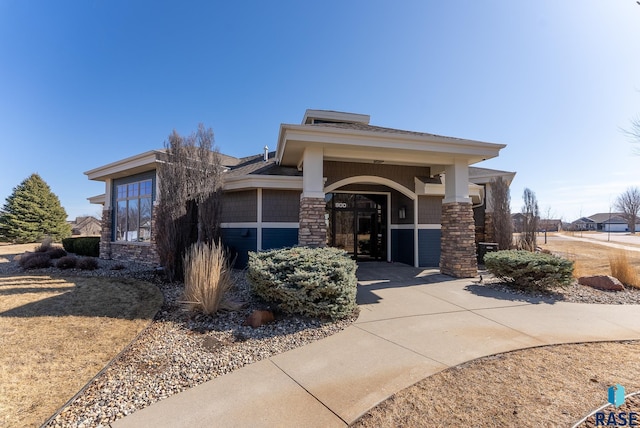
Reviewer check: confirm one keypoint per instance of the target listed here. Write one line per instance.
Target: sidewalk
(413, 324)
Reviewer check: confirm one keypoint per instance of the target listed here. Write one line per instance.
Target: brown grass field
(549, 386)
(56, 334)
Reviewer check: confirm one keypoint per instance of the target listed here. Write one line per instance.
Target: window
(133, 215)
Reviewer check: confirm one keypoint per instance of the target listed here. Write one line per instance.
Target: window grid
(133, 216)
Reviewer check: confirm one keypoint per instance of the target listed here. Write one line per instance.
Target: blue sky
(85, 83)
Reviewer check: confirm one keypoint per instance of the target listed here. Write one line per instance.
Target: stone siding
(313, 229)
(489, 231)
(141, 252)
(458, 247)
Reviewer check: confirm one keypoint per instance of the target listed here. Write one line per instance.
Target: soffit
(372, 146)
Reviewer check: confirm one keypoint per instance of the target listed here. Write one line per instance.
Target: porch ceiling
(375, 147)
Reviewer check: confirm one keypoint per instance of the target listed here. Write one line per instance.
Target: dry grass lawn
(549, 386)
(57, 333)
(590, 258)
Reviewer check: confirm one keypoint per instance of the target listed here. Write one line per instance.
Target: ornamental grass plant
(622, 269)
(207, 278)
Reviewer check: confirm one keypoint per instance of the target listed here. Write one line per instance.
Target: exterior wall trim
(411, 226)
(370, 179)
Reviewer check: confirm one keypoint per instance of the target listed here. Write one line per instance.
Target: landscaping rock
(602, 282)
(259, 318)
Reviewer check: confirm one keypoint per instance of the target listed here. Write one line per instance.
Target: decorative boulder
(259, 318)
(602, 282)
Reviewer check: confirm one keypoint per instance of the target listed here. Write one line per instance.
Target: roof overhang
(143, 162)
(356, 145)
(98, 199)
(487, 176)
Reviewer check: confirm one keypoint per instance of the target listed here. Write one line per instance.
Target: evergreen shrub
(67, 244)
(83, 245)
(529, 271)
(316, 282)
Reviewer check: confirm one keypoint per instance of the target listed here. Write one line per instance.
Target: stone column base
(458, 247)
(105, 235)
(313, 229)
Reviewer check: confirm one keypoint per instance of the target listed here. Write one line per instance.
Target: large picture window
(133, 217)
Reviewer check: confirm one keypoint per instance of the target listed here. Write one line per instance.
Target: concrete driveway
(413, 324)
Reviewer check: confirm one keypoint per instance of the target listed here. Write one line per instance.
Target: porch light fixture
(402, 214)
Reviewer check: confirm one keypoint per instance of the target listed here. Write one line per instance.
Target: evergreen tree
(33, 212)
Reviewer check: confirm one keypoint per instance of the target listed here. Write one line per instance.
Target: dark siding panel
(279, 238)
(239, 206)
(429, 247)
(336, 171)
(240, 241)
(399, 200)
(280, 205)
(402, 246)
(429, 209)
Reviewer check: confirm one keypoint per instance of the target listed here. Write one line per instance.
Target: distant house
(550, 225)
(605, 222)
(85, 226)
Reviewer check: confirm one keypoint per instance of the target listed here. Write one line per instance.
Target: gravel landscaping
(178, 350)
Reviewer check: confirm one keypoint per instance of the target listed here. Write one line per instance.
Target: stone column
(313, 229)
(458, 243)
(105, 235)
(458, 246)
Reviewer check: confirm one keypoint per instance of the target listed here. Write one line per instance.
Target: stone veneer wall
(105, 235)
(141, 252)
(458, 247)
(313, 229)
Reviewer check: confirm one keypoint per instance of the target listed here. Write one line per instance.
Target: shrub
(623, 270)
(35, 261)
(529, 271)
(44, 246)
(317, 282)
(207, 278)
(66, 262)
(87, 263)
(83, 246)
(56, 252)
(67, 244)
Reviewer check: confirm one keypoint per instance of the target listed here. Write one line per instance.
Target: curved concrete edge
(334, 381)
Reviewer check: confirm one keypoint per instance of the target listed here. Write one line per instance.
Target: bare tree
(628, 204)
(531, 216)
(190, 181)
(502, 223)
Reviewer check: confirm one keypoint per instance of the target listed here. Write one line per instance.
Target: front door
(357, 224)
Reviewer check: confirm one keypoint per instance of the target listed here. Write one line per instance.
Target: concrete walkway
(413, 324)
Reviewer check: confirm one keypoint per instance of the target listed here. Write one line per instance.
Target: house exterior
(379, 193)
(85, 226)
(605, 222)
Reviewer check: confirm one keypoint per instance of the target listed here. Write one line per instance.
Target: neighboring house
(550, 225)
(379, 193)
(605, 222)
(85, 226)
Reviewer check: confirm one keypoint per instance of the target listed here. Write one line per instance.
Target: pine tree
(33, 212)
